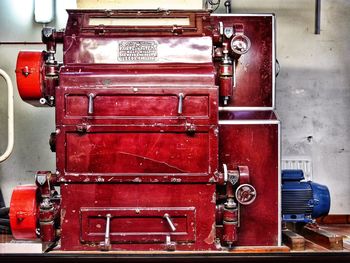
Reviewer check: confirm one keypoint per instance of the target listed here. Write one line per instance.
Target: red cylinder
(226, 81)
(24, 212)
(47, 231)
(29, 76)
(230, 232)
(230, 215)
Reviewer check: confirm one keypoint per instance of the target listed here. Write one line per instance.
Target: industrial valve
(244, 194)
(240, 44)
(226, 75)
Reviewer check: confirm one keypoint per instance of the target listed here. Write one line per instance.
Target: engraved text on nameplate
(138, 51)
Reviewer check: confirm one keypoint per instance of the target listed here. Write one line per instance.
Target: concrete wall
(313, 91)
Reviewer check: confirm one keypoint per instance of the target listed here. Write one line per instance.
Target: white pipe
(10, 119)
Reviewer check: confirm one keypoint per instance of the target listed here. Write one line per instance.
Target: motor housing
(303, 201)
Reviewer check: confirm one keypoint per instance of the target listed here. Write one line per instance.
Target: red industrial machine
(166, 136)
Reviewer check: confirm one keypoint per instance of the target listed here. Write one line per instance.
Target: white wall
(313, 91)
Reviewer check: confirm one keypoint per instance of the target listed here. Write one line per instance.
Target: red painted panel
(255, 145)
(137, 152)
(137, 105)
(155, 197)
(138, 224)
(254, 76)
(142, 105)
(97, 50)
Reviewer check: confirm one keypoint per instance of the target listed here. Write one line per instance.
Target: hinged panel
(175, 105)
(137, 153)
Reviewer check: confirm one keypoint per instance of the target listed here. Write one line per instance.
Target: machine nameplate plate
(138, 51)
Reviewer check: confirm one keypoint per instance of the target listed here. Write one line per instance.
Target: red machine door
(130, 154)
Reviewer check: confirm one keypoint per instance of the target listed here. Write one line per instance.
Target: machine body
(166, 136)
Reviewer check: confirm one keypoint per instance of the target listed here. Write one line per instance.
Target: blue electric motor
(302, 201)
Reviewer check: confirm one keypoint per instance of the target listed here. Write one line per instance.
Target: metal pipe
(21, 43)
(10, 119)
(107, 233)
(317, 17)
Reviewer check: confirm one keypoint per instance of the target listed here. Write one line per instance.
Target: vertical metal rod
(234, 73)
(179, 109)
(91, 104)
(107, 233)
(317, 17)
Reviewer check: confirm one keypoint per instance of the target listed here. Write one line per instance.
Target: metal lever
(170, 222)
(179, 109)
(91, 104)
(107, 243)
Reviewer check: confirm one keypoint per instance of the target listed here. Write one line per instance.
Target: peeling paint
(137, 180)
(212, 235)
(213, 199)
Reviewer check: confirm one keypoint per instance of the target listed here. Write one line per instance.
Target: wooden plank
(334, 219)
(293, 240)
(322, 237)
(312, 247)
